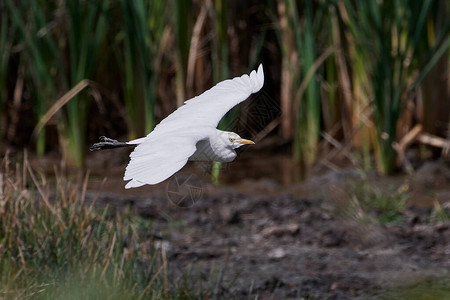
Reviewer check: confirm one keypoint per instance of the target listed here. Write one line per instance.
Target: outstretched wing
(208, 108)
(168, 147)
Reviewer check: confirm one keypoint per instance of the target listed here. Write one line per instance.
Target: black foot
(96, 147)
(106, 143)
(105, 139)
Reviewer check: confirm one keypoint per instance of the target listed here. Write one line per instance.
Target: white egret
(189, 133)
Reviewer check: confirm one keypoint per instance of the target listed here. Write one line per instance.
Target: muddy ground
(258, 238)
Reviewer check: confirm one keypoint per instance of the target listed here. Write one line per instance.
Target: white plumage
(189, 133)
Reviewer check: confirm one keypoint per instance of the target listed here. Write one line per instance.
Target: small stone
(277, 253)
(280, 230)
(230, 216)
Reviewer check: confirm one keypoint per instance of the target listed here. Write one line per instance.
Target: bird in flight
(189, 133)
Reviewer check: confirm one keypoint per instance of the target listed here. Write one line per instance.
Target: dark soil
(314, 240)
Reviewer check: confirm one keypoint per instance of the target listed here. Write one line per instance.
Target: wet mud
(311, 240)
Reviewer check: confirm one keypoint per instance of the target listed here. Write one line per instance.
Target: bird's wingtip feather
(258, 78)
(260, 74)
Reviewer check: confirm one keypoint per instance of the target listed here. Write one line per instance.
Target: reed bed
(394, 52)
(144, 25)
(301, 57)
(355, 75)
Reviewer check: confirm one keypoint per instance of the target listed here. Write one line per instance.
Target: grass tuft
(56, 244)
(379, 206)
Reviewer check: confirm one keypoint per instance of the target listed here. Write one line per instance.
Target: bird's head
(235, 141)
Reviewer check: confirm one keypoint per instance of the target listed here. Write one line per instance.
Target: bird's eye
(231, 140)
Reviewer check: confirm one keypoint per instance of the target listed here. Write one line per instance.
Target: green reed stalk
(308, 112)
(86, 31)
(219, 58)
(183, 32)
(45, 39)
(39, 54)
(386, 36)
(143, 27)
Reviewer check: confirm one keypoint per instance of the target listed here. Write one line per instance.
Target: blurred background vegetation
(361, 79)
(368, 76)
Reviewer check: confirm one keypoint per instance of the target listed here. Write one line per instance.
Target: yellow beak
(244, 141)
